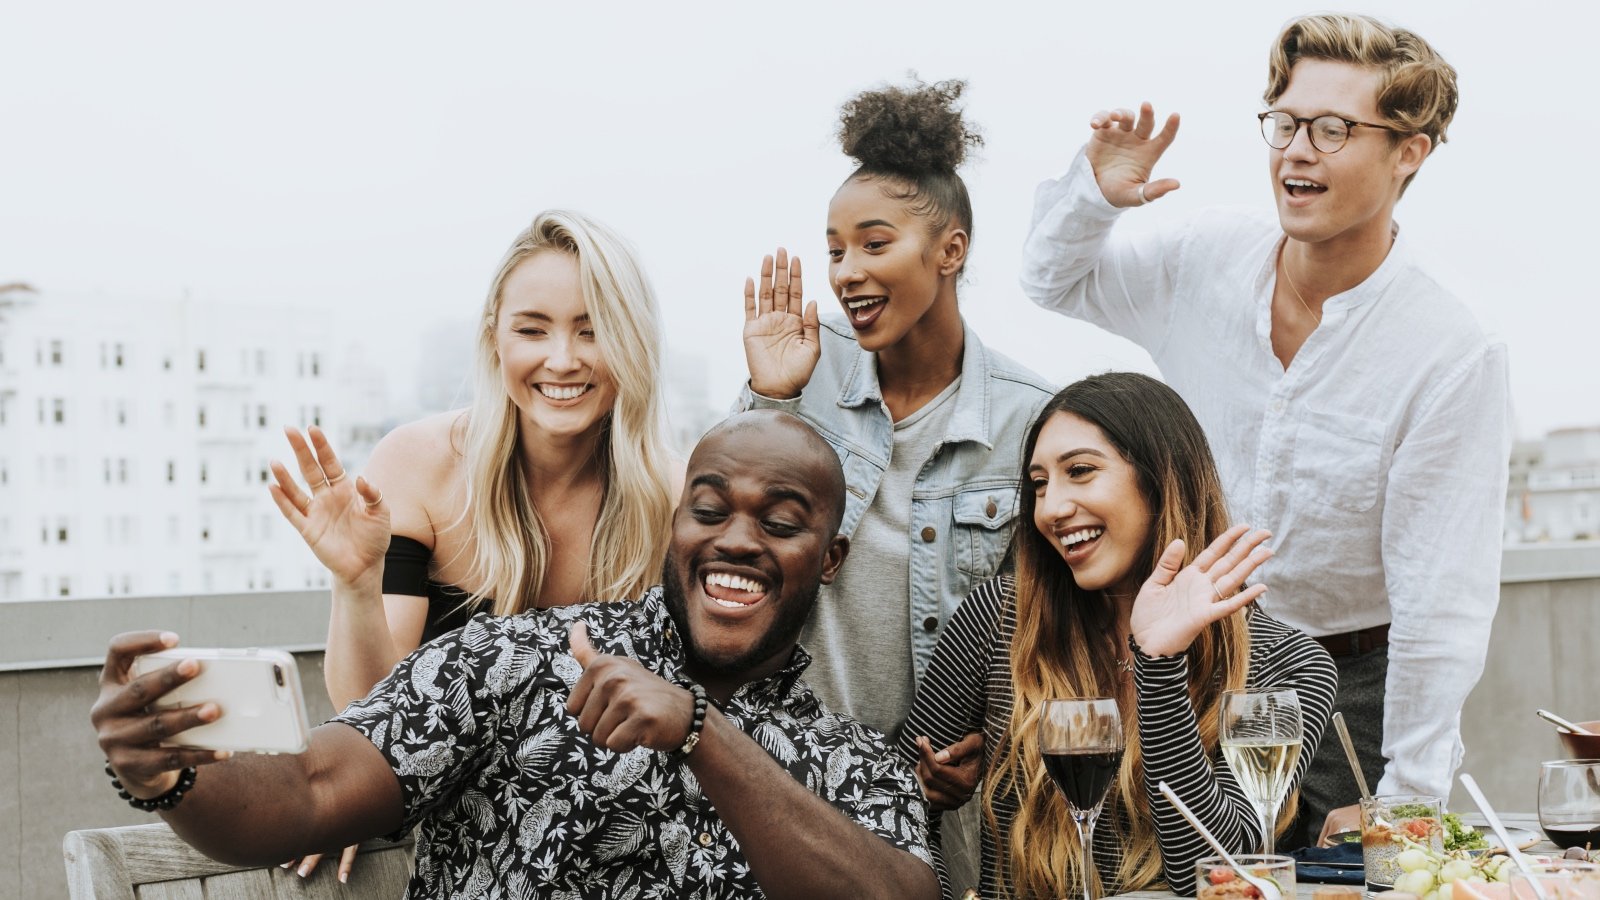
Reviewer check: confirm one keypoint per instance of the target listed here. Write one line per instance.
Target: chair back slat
(149, 862)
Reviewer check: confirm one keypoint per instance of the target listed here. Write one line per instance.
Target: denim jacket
(965, 497)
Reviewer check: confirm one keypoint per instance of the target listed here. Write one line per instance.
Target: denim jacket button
(990, 509)
(930, 624)
(928, 534)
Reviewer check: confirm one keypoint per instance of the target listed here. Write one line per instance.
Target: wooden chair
(149, 862)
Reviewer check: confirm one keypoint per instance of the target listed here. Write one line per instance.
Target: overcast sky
(375, 159)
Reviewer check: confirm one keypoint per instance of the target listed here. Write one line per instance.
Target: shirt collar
(969, 421)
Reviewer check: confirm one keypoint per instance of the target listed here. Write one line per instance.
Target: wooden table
(1303, 891)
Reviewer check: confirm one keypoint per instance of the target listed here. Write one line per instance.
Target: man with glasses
(1355, 407)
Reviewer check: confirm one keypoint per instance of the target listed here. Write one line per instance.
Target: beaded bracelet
(165, 801)
(693, 740)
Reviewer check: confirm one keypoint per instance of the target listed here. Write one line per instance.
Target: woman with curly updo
(925, 418)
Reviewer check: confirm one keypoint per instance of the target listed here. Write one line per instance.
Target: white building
(135, 436)
(1554, 493)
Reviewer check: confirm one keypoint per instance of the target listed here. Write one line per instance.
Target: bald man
(603, 750)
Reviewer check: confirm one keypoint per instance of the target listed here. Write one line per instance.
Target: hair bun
(911, 130)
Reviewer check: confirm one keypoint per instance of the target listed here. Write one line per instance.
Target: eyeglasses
(1328, 133)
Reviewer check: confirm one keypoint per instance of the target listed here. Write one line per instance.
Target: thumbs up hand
(622, 705)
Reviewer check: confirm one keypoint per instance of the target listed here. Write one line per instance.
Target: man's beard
(784, 630)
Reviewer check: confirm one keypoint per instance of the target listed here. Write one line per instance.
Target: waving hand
(1123, 151)
(781, 340)
(343, 520)
(1175, 605)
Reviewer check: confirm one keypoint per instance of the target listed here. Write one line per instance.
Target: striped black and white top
(968, 688)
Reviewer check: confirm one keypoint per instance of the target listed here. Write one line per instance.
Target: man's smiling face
(753, 539)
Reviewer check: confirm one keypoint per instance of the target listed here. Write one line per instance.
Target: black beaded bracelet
(165, 801)
(693, 740)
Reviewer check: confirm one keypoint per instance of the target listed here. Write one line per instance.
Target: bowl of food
(1582, 746)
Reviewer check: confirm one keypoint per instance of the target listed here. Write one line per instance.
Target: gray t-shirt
(859, 636)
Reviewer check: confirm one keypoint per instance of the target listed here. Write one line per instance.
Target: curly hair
(1417, 90)
(913, 139)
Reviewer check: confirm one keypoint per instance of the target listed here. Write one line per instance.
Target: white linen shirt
(1378, 459)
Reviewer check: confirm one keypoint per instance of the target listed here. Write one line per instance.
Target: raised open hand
(1175, 605)
(343, 520)
(1123, 151)
(781, 341)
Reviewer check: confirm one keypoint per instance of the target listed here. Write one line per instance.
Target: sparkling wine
(1083, 777)
(1262, 767)
(1574, 834)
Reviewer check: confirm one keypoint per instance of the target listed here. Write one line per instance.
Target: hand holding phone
(257, 691)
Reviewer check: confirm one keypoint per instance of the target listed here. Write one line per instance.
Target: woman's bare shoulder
(419, 465)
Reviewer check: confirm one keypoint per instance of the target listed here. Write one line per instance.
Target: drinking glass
(1561, 880)
(1387, 822)
(1081, 741)
(1569, 801)
(1261, 733)
(1214, 879)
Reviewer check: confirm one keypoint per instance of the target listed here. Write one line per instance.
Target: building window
(61, 531)
(166, 363)
(108, 470)
(122, 471)
(261, 416)
(127, 583)
(261, 362)
(56, 353)
(316, 365)
(5, 473)
(64, 586)
(122, 412)
(117, 355)
(172, 472)
(316, 416)
(200, 361)
(204, 472)
(58, 410)
(202, 417)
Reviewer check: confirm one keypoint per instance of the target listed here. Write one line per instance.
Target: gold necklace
(1283, 266)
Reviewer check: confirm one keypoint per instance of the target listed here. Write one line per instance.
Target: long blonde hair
(511, 547)
(1064, 645)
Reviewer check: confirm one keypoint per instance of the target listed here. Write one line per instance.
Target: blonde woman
(554, 487)
(1123, 559)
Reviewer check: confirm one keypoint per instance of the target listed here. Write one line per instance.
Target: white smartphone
(263, 709)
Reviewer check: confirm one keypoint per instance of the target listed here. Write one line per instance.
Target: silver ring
(330, 482)
(1142, 198)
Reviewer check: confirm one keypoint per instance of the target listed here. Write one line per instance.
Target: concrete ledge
(1520, 563)
(60, 634)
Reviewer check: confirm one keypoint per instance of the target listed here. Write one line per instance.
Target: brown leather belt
(1355, 643)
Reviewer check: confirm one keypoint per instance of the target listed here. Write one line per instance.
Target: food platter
(1524, 837)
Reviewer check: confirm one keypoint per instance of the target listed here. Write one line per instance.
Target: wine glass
(1569, 801)
(1081, 741)
(1261, 734)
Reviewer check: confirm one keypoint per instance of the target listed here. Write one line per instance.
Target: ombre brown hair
(1416, 90)
(1065, 640)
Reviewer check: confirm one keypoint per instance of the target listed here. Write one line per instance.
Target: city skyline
(375, 162)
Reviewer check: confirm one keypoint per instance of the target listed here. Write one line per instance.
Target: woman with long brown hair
(1129, 583)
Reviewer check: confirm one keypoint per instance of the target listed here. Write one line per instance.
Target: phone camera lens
(277, 672)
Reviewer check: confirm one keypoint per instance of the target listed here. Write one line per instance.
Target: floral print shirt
(512, 800)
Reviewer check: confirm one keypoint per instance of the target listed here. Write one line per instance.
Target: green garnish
(1462, 837)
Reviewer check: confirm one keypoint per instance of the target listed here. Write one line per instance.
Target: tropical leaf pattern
(512, 801)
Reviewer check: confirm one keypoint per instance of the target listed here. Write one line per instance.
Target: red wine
(1083, 777)
(1571, 834)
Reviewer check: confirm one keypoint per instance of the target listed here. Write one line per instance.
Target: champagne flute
(1261, 734)
(1081, 742)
